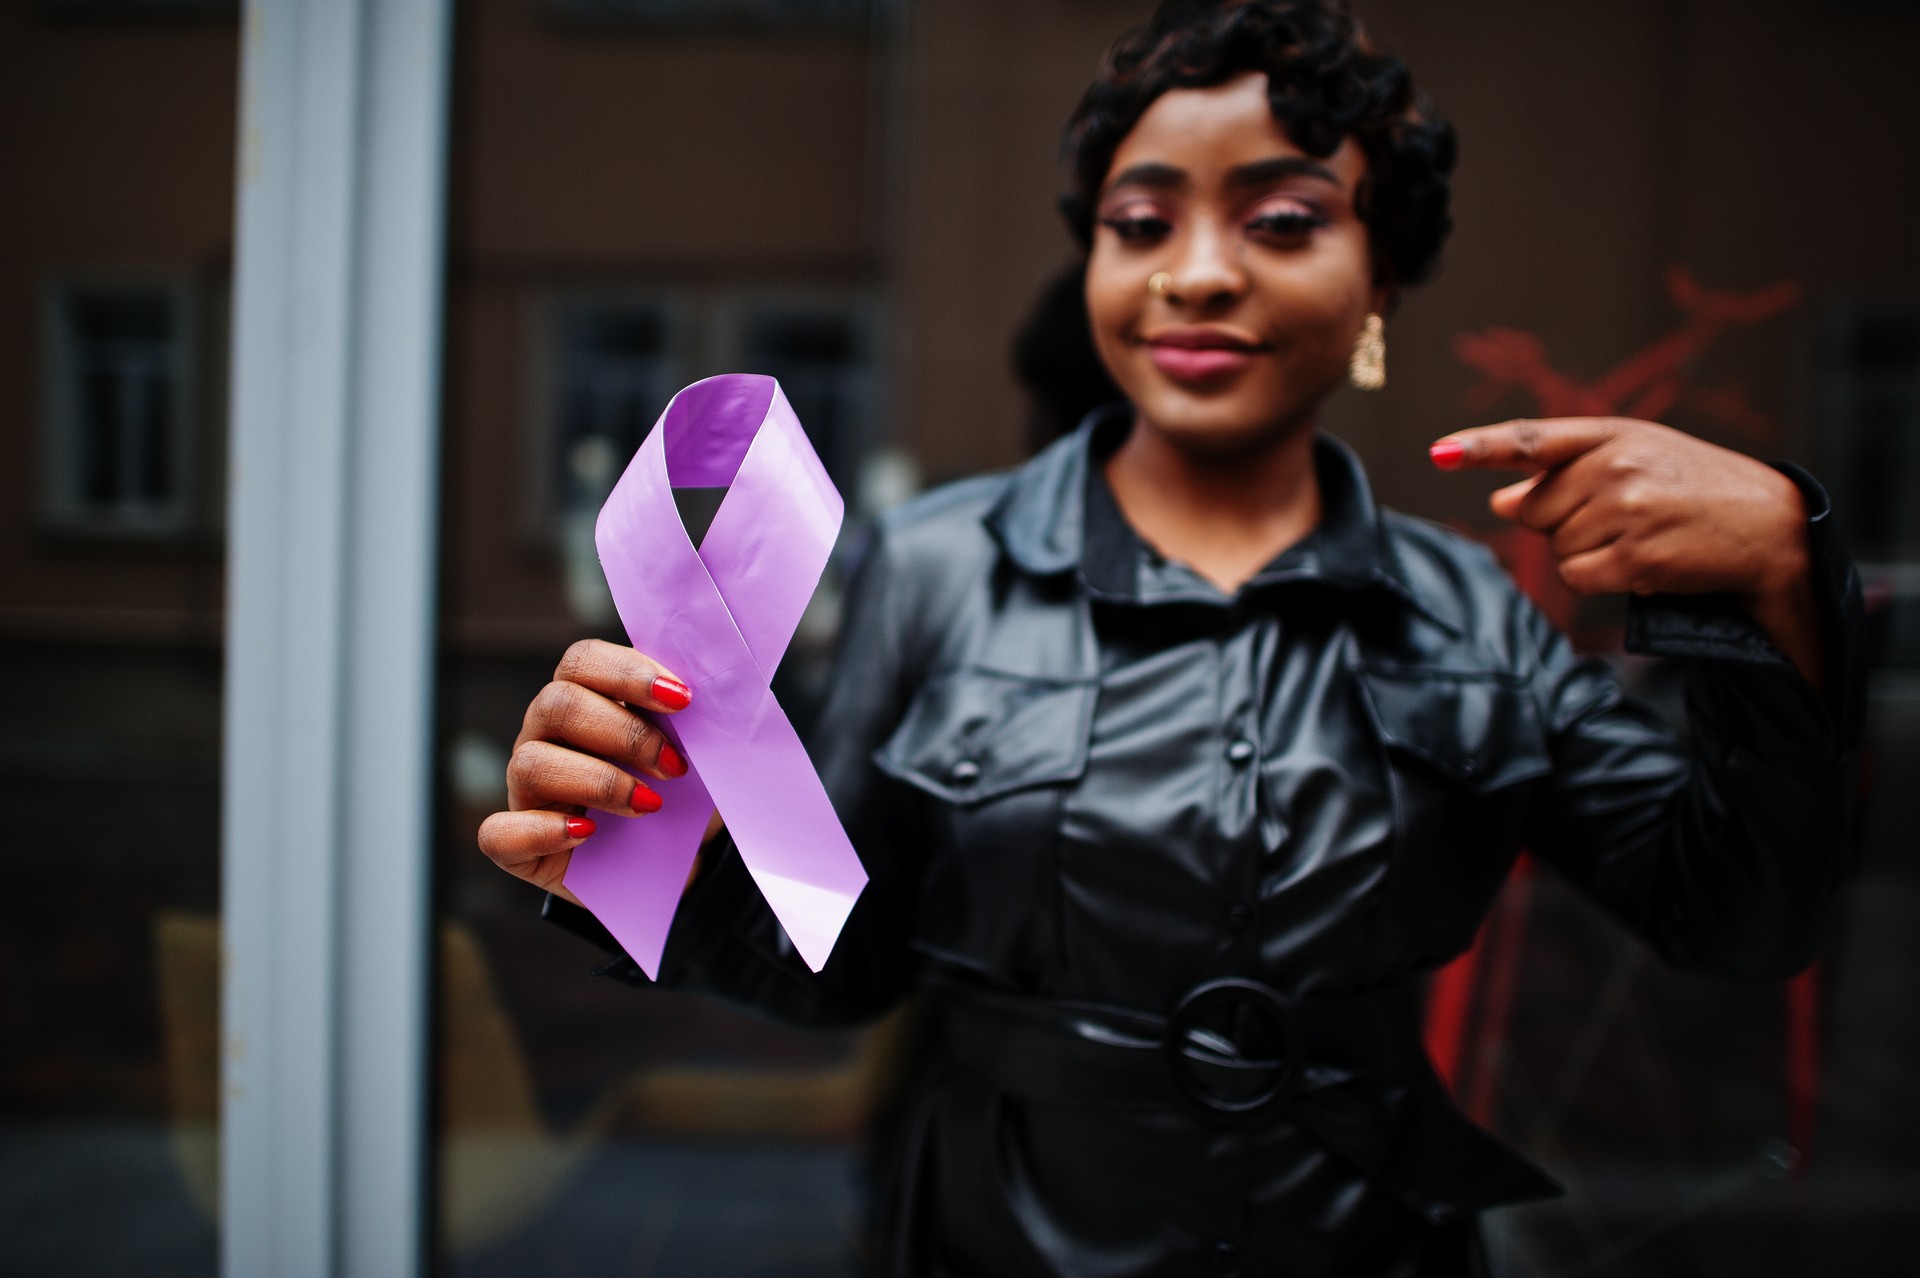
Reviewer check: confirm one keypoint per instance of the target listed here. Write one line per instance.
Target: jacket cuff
(1717, 628)
(708, 913)
(568, 917)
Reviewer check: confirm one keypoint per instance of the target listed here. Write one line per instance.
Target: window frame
(61, 507)
(546, 326)
(731, 313)
(1843, 386)
(707, 326)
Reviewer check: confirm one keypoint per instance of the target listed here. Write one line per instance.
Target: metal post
(337, 298)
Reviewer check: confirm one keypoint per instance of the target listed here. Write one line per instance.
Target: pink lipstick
(1198, 355)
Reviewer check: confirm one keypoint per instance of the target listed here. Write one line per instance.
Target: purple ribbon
(720, 617)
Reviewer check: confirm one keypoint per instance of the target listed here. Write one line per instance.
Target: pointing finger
(1523, 445)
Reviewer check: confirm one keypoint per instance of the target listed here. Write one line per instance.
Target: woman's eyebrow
(1163, 177)
(1264, 172)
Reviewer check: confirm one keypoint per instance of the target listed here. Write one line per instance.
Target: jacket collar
(1041, 519)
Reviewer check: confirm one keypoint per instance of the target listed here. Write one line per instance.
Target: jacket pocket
(1479, 728)
(991, 756)
(1460, 747)
(972, 735)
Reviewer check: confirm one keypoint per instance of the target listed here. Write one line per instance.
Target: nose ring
(1160, 283)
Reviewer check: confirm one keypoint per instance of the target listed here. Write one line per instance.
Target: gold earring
(1367, 368)
(1160, 283)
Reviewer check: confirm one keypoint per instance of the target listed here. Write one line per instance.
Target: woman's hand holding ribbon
(584, 743)
(1632, 506)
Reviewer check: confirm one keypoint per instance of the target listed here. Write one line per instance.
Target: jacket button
(1225, 1254)
(1239, 917)
(1468, 767)
(965, 772)
(1240, 750)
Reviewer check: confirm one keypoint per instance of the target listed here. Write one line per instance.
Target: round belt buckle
(1226, 1027)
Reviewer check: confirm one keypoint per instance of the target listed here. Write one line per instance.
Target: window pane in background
(115, 240)
(734, 186)
(771, 187)
(118, 373)
(608, 248)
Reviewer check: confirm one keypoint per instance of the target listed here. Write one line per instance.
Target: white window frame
(63, 433)
(548, 315)
(327, 781)
(730, 315)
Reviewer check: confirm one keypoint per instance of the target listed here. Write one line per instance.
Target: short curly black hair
(1326, 82)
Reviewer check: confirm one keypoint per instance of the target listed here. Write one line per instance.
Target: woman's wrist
(1785, 568)
(1783, 602)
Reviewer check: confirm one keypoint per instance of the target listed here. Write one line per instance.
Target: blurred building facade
(858, 198)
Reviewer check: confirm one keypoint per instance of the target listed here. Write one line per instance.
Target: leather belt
(1233, 1052)
(1238, 1054)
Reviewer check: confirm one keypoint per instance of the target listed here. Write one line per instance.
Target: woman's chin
(1217, 427)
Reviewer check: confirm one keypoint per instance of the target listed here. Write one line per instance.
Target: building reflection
(856, 197)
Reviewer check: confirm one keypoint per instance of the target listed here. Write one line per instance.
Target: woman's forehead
(1207, 132)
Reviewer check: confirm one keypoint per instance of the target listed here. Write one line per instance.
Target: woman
(1176, 763)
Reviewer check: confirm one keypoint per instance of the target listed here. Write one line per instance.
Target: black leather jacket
(1085, 783)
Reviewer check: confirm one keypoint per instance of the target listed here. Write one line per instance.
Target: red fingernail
(579, 827)
(644, 800)
(670, 761)
(1447, 454)
(671, 693)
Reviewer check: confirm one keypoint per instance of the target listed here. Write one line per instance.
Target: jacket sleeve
(724, 941)
(1723, 851)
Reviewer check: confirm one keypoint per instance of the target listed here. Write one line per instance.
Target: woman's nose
(1206, 271)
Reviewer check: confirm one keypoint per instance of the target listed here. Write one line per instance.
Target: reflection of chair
(498, 1162)
(188, 950)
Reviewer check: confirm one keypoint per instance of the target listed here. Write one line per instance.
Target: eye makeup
(1281, 218)
(1287, 221)
(1137, 230)
(1137, 221)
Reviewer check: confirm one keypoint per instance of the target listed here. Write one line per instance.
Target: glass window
(864, 213)
(112, 381)
(819, 354)
(1874, 408)
(738, 1138)
(613, 375)
(1873, 405)
(120, 407)
(610, 365)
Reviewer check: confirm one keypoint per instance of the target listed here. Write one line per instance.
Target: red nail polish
(671, 693)
(644, 800)
(1447, 454)
(670, 761)
(579, 827)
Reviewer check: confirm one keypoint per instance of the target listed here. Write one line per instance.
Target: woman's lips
(1199, 356)
(1198, 363)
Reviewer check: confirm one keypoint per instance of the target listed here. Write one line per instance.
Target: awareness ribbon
(720, 617)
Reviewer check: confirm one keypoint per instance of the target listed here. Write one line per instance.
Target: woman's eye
(1138, 228)
(1286, 223)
